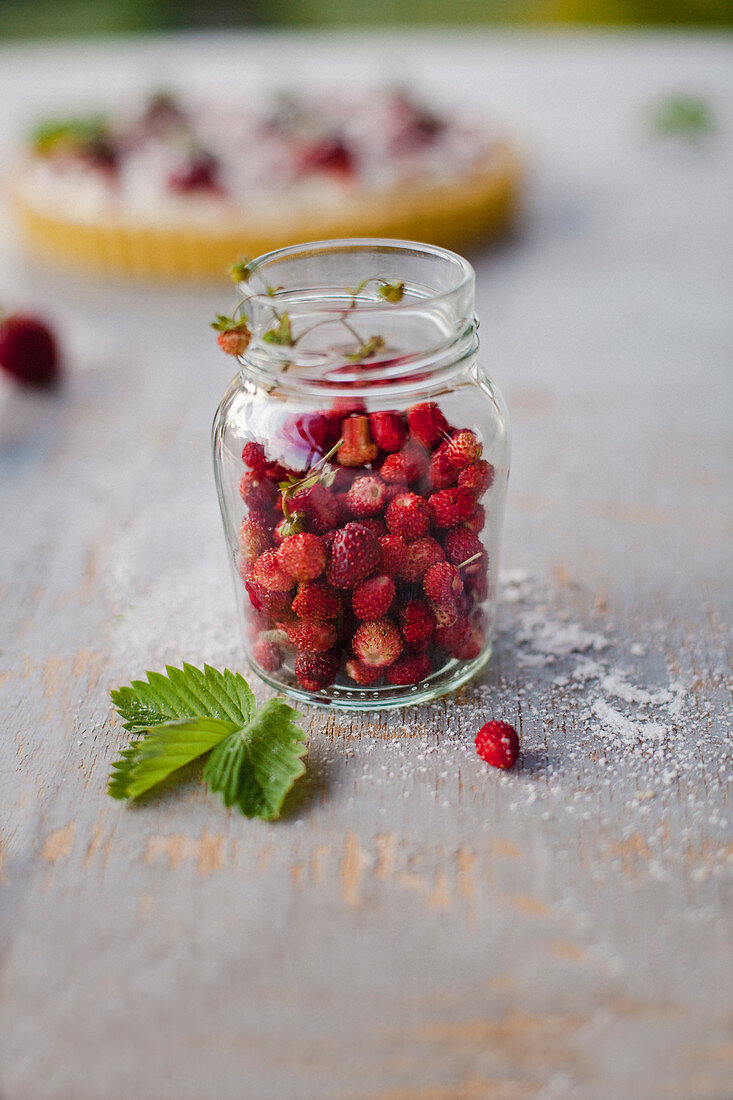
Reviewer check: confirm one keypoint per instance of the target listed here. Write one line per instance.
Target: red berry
(319, 505)
(288, 525)
(419, 556)
(235, 341)
(446, 614)
(449, 507)
(407, 466)
(302, 556)
(393, 549)
(371, 599)
(366, 497)
(253, 455)
(377, 644)
(471, 645)
(28, 351)
(441, 472)
(497, 743)
(355, 554)
(463, 449)
(453, 636)
(377, 526)
(410, 669)
(328, 155)
(460, 544)
(199, 173)
(315, 602)
(408, 515)
(427, 423)
(442, 582)
(254, 538)
(257, 491)
(274, 604)
(267, 654)
(358, 448)
(365, 675)
(267, 572)
(314, 671)
(477, 520)
(388, 430)
(311, 637)
(417, 623)
(477, 478)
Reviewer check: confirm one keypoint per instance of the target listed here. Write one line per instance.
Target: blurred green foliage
(50, 18)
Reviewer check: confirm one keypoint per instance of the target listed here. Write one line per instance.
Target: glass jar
(361, 457)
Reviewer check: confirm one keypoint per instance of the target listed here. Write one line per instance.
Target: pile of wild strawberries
(372, 568)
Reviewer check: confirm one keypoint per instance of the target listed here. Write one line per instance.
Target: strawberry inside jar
(361, 456)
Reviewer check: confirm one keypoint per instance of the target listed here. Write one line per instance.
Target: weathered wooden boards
(415, 928)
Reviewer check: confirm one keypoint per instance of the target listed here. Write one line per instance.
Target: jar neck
(355, 314)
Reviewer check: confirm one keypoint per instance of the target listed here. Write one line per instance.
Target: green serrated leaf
(184, 693)
(165, 749)
(255, 767)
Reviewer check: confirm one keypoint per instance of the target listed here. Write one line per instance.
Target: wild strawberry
(267, 572)
(477, 584)
(407, 465)
(477, 520)
(311, 637)
(408, 515)
(274, 604)
(393, 549)
(497, 743)
(376, 525)
(417, 623)
(234, 335)
(319, 505)
(410, 669)
(314, 671)
(427, 423)
(253, 455)
(302, 556)
(446, 613)
(364, 675)
(419, 556)
(442, 582)
(371, 599)
(315, 602)
(441, 472)
(477, 478)
(366, 497)
(358, 448)
(254, 538)
(267, 654)
(354, 555)
(449, 507)
(290, 525)
(463, 449)
(198, 173)
(378, 643)
(329, 154)
(471, 645)
(257, 491)
(388, 430)
(460, 544)
(452, 637)
(28, 351)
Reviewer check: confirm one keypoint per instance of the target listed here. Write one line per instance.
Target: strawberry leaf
(256, 766)
(164, 749)
(184, 693)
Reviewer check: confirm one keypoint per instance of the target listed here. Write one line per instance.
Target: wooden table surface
(418, 926)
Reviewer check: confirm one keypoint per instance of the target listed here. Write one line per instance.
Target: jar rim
(428, 326)
(464, 271)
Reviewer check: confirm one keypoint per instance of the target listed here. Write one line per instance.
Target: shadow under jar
(361, 457)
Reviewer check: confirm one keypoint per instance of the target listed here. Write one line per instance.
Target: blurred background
(44, 18)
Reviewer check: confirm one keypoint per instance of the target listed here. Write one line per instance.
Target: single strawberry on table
(497, 743)
(29, 351)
